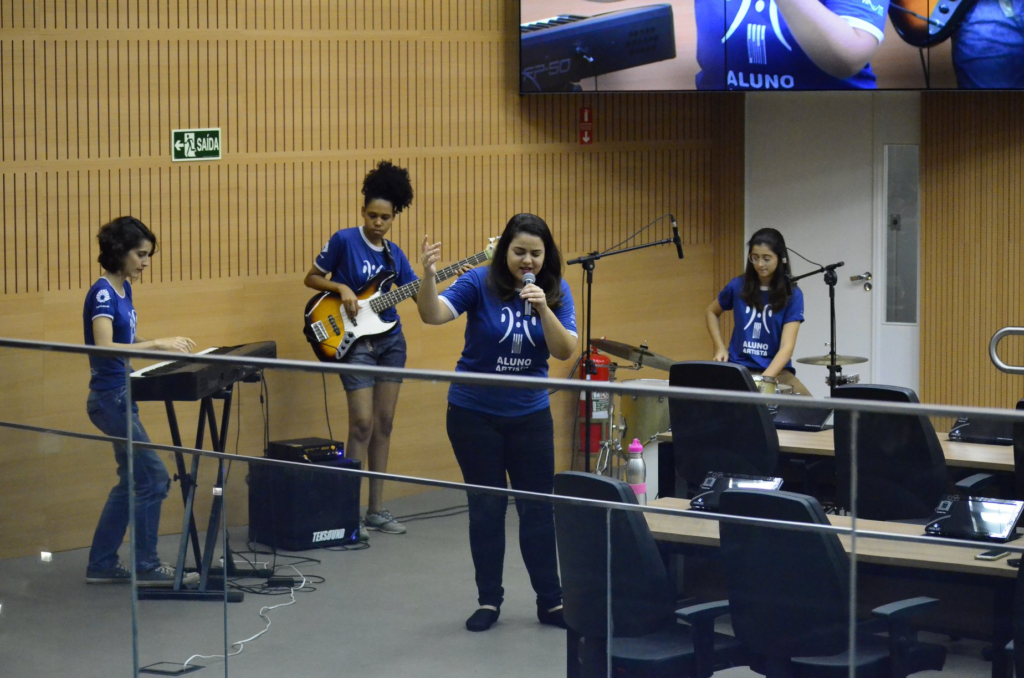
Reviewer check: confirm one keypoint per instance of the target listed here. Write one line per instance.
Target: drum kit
(644, 417)
(631, 416)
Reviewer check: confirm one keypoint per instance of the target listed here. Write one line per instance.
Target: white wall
(813, 171)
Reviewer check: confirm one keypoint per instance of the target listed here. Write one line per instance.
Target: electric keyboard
(180, 380)
(555, 53)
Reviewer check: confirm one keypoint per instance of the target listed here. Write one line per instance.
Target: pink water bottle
(636, 471)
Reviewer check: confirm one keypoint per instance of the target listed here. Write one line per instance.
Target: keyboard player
(109, 319)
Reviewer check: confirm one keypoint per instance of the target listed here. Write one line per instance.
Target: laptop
(790, 418)
(983, 430)
(716, 483)
(977, 518)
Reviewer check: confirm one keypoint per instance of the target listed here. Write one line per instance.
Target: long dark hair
(779, 289)
(549, 278)
(388, 182)
(118, 238)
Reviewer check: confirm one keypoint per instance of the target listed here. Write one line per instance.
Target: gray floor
(395, 609)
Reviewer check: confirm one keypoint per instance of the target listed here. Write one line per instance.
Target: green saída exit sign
(195, 144)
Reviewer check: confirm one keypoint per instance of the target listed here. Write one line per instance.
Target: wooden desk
(875, 551)
(902, 569)
(964, 455)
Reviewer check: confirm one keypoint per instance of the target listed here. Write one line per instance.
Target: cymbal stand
(588, 261)
(606, 451)
(835, 372)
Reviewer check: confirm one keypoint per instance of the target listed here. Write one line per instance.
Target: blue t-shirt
(102, 301)
(352, 260)
(500, 341)
(746, 45)
(757, 335)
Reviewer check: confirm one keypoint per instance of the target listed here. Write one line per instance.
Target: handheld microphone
(832, 267)
(675, 236)
(528, 279)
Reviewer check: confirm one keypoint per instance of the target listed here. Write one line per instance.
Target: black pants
(487, 447)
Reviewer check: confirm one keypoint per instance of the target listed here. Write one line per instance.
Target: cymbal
(639, 355)
(827, 360)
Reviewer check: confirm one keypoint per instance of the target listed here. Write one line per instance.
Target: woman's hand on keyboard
(175, 344)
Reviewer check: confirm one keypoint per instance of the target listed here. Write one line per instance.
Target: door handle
(866, 277)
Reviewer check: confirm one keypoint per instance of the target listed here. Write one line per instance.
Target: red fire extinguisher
(599, 400)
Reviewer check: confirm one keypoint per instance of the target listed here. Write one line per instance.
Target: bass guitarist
(988, 47)
(352, 257)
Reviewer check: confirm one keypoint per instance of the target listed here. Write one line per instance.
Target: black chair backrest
(642, 598)
(717, 436)
(901, 471)
(1018, 457)
(788, 590)
(1018, 618)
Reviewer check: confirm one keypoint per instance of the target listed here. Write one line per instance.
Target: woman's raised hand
(430, 256)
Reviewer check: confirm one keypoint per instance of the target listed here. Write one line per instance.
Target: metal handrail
(992, 345)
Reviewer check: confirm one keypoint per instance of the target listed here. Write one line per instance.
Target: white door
(815, 171)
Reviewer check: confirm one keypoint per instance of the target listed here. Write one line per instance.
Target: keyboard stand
(211, 586)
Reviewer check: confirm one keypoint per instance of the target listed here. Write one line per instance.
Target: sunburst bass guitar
(926, 23)
(331, 331)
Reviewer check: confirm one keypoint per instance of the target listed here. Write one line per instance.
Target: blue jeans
(107, 410)
(988, 48)
(387, 350)
(487, 447)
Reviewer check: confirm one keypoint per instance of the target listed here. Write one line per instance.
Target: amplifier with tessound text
(304, 507)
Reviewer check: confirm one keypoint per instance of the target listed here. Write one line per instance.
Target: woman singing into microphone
(767, 312)
(496, 431)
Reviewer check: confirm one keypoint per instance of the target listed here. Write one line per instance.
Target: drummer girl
(767, 311)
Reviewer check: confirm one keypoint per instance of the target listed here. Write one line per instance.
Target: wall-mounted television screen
(759, 45)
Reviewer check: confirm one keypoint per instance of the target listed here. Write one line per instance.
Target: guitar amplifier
(313, 450)
(304, 507)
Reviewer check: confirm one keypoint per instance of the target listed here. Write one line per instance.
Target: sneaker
(362, 534)
(164, 576)
(385, 522)
(119, 574)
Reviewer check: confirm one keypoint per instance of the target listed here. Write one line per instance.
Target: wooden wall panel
(972, 244)
(309, 96)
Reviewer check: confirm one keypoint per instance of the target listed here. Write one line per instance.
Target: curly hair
(388, 182)
(549, 278)
(118, 238)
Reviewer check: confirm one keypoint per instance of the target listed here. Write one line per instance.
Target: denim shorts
(384, 351)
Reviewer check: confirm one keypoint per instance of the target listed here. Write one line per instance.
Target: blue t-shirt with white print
(499, 340)
(757, 335)
(103, 301)
(353, 260)
(747, 45)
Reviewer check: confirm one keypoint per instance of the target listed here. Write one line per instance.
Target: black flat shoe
(484, 618)
(551, 617)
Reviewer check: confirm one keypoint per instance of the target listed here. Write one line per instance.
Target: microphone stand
(588, 261)
(835, 372)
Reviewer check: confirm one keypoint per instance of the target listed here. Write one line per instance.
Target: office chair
(717, 436)
(1018, 458)
(647, 638)
(789, 597)
(1015, 665)
(901, 473)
